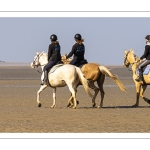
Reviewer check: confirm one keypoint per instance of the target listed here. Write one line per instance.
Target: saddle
(81, 63)
(55, 67)
(146, 70)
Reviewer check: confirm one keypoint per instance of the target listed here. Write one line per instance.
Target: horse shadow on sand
(113, 107)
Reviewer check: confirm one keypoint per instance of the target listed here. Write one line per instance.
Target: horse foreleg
(96, 90)
(54, 98)
(143, 88)
(38, 94)
(138, 89)
(100, 82)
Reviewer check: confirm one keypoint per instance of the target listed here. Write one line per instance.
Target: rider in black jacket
(54, 56)
(78, 50)
(146, 55)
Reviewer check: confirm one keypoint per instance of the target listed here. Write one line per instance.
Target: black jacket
(146, 53)
(54, 52)
(78, 51)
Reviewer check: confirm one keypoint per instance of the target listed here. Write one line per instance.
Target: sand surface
(19, 112)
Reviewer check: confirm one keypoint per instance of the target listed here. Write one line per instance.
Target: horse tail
(84, 82)
(106, 71)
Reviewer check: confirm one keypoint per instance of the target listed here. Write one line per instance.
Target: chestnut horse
(131, 59)
(96, 73)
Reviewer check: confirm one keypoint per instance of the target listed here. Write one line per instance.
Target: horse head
(37, 60)
(130, 58)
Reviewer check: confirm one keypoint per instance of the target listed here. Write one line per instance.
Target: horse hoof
(52, 106)
(74, 107)
(77, 102)
(94, 104)
(39, 105)
(68, 105)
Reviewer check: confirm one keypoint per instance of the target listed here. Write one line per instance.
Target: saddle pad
(55, 67)
(146, 71)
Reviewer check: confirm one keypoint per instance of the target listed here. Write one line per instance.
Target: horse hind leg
(38, 94)
(70, 101)
(96, 90)
(73, 95)
(54, 98)
(138, 90)
(100, 83)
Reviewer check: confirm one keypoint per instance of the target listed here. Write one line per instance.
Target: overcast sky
(105, 37)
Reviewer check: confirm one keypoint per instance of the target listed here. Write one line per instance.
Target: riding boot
(45, 78)
(139, 78)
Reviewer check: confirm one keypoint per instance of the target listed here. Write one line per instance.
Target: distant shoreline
(13, 64)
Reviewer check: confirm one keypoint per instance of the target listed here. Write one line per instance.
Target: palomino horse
(94, 72)
(66, 75)
(131, 59)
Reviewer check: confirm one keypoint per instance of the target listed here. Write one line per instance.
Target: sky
(106, 38)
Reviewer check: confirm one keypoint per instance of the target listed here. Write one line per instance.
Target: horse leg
(143, 88)
(54, 98)
(96, 90)
(73, 92)
(100, 83)
(138, 89)
(70, 101)
(38, 94)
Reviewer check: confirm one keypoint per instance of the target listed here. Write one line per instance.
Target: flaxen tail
(105, 71)
(84, 82)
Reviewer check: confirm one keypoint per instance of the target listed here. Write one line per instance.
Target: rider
(54, 56)
(146, 61)
(78, 50)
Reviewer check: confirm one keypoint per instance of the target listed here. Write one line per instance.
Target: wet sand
(20, 114)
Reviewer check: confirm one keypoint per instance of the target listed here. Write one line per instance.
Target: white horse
(65, 75)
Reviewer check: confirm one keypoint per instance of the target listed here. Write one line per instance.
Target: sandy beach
(20, 113)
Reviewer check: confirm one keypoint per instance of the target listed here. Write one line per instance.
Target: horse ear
(125, 51)
(37, 53)
(131, 50)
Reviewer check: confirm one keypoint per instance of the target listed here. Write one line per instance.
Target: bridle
(36, 60)
(125, 59)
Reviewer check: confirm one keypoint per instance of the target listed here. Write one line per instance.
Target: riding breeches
(49, 65)
(75, 61)
(143, 64)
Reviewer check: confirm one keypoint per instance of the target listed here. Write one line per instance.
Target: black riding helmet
(53, 37)
(147, 37)
(78, 37)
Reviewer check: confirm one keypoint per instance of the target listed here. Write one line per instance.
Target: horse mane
(64, 60)
(45, 54)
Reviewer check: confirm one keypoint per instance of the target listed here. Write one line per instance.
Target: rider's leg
(49, 65)
(74, 61)
(140, 68)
